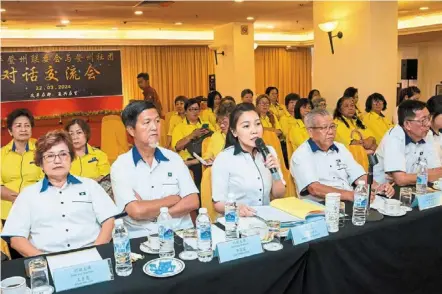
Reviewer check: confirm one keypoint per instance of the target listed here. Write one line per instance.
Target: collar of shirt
(378, 116)
(316, 148)
(70, 180)
(434, 132)
(158, 155)
(408, 140)
(30, 146)
(238, 149)
(189, 123)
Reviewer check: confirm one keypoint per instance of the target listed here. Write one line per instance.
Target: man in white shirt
(321, 166)
(149, 177)
(403, 145)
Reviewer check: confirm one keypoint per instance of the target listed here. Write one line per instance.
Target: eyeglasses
(325, 128)
(264, 104)
(193, 109)
(424, 122)
(51, 157)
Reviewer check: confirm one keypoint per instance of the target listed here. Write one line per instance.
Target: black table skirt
(395, 256)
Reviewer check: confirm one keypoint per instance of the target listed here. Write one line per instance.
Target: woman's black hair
(291, 97)
(16, 113)
(408, 92)
(374, 97)
(338, 115)
(301, 103)
(350, 92)
(190, 102)
(231, 140)
(269, 89)
(311, 93)
(434, 105)
(211, 99)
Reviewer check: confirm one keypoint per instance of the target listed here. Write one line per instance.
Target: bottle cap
(118, 221)
(164, 209)
(203, 210)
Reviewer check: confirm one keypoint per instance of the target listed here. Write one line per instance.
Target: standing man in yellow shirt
(89, 162)
(18, 168)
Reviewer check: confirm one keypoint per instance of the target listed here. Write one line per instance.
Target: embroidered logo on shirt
(82, 193)
(422, 153)
(169, 175)
(340, 165)
(92, 160)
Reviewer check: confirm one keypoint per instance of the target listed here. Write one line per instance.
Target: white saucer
(146, 249)
(402, 212)
(163, 267)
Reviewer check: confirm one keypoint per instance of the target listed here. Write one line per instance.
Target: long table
(395, 255)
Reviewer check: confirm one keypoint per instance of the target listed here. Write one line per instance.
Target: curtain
(173, 70)
(289, 71)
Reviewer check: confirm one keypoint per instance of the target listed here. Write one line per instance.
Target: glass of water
(189, 244)
(274, 230)
(38, 270)
(406, 198)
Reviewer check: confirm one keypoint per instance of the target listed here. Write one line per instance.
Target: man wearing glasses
(400, 149)
(320, 165)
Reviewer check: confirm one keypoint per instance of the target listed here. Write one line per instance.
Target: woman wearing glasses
(60, 212)
(89, 162)
(268, 119)
(374, 119)
(18, 169)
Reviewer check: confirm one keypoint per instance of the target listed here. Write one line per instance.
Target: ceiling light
(65, 21)
(270, 27)
(115, 28)
(424, 8)
(288, 47)
(238, 0)
(178, 23)
(2, 10)
(250, 18)
(138, 12)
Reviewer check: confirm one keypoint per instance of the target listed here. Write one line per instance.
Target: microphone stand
(372, 214)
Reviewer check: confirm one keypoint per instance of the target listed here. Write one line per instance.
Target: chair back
(113, 137)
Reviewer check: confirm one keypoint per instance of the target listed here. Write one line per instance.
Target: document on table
(267, 213)
(73, 258)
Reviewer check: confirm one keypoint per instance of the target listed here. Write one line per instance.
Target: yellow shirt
(93, 164)
(183, 129)
(278, 110)
(286, 122)
(298, 134)
(377, 124)
(267, 124)
(216, 144)
(175, 120)
(208, 115)
(18, 171)
(343, 134)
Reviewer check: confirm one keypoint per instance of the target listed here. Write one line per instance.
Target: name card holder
(238, 248)
(81, 275)
(429, 200)
(308, 232)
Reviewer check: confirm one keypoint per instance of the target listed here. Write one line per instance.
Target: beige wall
(429, 57)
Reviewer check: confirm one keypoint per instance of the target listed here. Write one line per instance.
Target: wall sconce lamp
(328, 27)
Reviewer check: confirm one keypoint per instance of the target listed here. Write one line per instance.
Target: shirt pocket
(170, 187)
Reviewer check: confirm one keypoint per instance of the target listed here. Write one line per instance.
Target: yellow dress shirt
(18, 171)
(286, 122)
(183, 129)
(278, 110)
(377, 124)
(298, 134)
(216, 144)
(208, 115)
(343, 134)
(93, 164)
(175, 120)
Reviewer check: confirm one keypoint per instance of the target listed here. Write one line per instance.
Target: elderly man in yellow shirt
(89, 162)
(18, 168)
(176, 118)
(191, 129)
(374, 119)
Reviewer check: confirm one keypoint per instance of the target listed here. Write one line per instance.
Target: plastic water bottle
(360, 204)
(120, 236)
(231, 217)
(204, 231)
(422, 176)
(165, 233)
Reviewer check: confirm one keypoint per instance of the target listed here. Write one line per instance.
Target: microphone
(262, 148)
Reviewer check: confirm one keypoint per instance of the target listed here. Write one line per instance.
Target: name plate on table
(308, 232)
(83, 275)
(429, 200)
(238, 248)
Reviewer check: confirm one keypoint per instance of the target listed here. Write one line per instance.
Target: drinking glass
(332, 203)
(189, 244)
(274, 229)
(406, 198)
(13, 285)
(342, 216)
(38, 270)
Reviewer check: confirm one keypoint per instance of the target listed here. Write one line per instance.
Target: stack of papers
(301, 209)
(267, 213)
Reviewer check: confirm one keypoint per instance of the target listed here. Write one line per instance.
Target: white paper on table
(218, 236)
(244, 222)
(270, 213)
(74, 258)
